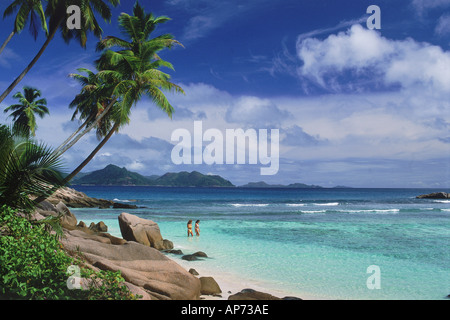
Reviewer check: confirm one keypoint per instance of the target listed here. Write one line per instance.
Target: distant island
(263, 184)
(114, 175)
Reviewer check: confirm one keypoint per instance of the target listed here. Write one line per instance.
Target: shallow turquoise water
(306, 242)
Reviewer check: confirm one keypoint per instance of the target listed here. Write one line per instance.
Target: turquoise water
(312, 243)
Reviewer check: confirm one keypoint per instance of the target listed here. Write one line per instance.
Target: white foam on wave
(295, 204)
(119, 200)
(249, 204)
(327, 204)
(313, 211)
(373, 211)
(442, 201)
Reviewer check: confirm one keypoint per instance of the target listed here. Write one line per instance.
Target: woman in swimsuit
(197, 228)
(189, 226)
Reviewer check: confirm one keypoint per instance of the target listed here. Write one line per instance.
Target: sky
(353, 106)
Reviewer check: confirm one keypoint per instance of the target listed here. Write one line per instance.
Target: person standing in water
(189, 227)
(197, 228)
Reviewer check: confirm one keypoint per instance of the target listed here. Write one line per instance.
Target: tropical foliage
(24, 112)
(27, 169)
(56, 13)
(28, 10)
(34, 266)
(125, 76)
(33, 262)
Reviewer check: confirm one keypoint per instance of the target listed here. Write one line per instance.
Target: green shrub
(34, 266)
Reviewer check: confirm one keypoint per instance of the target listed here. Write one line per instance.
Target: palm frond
(27, 169)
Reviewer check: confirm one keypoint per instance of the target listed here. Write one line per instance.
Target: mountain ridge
(114, 175)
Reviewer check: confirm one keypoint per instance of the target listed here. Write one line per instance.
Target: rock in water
(434, 195)
(250, 294)
(200, 254)
(118, 205)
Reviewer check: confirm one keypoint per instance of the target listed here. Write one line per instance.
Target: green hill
(191, 179)
(114, 175)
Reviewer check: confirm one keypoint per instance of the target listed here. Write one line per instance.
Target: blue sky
(355, 107)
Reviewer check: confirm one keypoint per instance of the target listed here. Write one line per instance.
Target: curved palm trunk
(7, 41)
(93, 153)
(83, 164)
(79, 136)
(31, 64)
(71, 137)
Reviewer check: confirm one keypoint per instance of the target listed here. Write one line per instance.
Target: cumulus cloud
(365, 54)
(255, 111)
(296, 136)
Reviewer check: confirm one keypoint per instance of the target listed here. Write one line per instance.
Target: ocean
(347, 243)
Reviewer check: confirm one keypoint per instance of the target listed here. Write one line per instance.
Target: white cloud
(443, 25)
(135, 166)
(256, 112)
(422, 5)
(206, 16)
(346, 138)
(7, 58)
(366, 54)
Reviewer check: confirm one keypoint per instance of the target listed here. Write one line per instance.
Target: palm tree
(56, 11)
(29, 105)
(135, 71)
(90, 105)
(27, 169)
(27, 9)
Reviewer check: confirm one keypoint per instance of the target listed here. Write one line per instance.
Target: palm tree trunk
(68, 146)
(7, 41)
(93, 153)
(71, 137)
(82, 165)
(32, 63)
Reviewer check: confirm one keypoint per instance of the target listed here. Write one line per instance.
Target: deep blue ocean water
(311, 243)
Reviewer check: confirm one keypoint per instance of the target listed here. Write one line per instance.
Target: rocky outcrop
(145, 269)
(45, 209)
(143, 231)
(435, 195)
(76, 199)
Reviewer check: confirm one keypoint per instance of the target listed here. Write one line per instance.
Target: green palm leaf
(27, 170)
(23, 114)
(131, 73)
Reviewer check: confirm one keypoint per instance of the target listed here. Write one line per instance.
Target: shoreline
(237, 263)
(231, 284)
